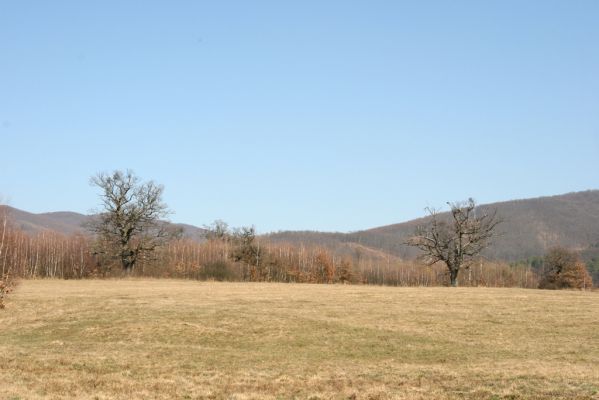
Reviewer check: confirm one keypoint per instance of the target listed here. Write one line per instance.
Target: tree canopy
(455, 241)
(130, 225)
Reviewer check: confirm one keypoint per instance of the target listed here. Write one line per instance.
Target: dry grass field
(156, 339)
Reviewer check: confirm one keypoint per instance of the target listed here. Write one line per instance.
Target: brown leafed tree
(345, 271)
(325, 267)
(564, 269)
(130, 226)
(455, 241)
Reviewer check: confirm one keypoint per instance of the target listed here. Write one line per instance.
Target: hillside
(65, 222)
(529, 227)
(69, 223)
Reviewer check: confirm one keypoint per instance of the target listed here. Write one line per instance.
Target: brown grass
(155, 339)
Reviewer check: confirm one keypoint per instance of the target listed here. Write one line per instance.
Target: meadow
(157, 339)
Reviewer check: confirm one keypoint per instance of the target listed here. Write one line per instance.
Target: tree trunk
(127, 265)
(453, 277)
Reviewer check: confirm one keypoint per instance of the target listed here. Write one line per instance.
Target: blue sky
(324, 115)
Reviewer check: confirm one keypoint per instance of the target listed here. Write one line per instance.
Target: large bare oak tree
(130, 225)
(457, 240)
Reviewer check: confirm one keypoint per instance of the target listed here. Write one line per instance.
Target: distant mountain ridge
(529, 228)
(69, 223)
(65, 222)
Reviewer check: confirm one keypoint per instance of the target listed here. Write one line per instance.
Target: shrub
(6, 286)
(577, 277)
(217, 271)
(564, 269)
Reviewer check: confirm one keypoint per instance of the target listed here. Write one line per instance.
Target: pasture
(162, 339)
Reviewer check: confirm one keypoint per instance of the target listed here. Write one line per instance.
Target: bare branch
(458, 242)
(130, 224)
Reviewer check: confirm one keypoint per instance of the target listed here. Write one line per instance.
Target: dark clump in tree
(455, 241)
(247, 251)
(258, 264)
(130, 226)
(563, 269)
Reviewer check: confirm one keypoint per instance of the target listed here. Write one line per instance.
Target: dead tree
(130, 226)
(456, 240)
(5, 275)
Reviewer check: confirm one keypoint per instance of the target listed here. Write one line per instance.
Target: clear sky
(323, 115)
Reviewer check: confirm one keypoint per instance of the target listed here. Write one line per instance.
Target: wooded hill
(69, 223)
(529, 228)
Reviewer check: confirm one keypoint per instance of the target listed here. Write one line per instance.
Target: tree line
(244, 257)
(130, 237)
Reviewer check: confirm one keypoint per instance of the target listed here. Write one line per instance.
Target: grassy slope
(172, 339)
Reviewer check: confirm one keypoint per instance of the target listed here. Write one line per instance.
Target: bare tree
(5, 275)
(457, 240)
(3, 224)
(8, 272)
(218, 230)
(130, 226)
